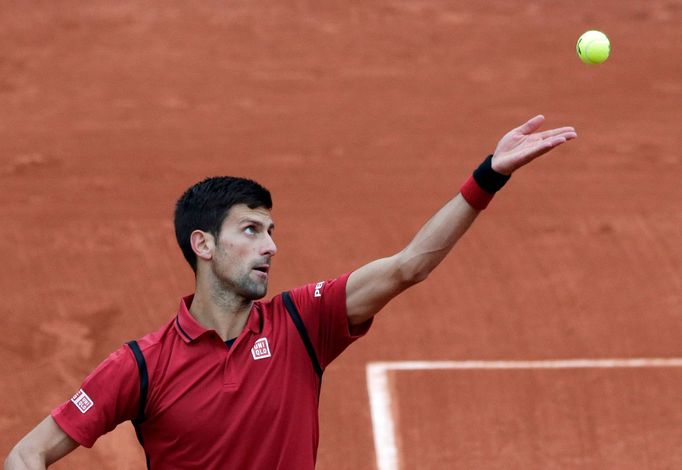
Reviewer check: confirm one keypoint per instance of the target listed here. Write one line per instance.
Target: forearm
(372, 286)
(44, 445)
(436, 239)
(439, 235)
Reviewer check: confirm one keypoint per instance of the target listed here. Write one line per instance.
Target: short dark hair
(205, 206)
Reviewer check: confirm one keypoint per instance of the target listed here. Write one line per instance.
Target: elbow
(416, 267)
(411, 274)
(403, 270)
(418, 276)
(13, 460)
(20, 458)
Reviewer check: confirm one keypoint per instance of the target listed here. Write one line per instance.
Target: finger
(532, 124)
(554, 141)
(566, 131)
(546, 145)
(568, 135)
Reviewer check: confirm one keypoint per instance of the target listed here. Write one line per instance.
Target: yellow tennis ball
(593, 47)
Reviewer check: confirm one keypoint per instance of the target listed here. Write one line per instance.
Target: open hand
(522, 144)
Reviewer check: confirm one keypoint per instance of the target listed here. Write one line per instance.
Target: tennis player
(231, 381)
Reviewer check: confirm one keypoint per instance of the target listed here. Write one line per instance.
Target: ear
(203, 244)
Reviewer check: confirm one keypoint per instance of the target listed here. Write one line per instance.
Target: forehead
(241, 213)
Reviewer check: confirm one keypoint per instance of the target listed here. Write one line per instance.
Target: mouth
(262, 269)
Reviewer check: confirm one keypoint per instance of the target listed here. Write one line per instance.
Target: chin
(251, 289)
(257, 294)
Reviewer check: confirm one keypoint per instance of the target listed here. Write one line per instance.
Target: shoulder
(320, 291)
(151, 344)
(307, 294)
(312, 299)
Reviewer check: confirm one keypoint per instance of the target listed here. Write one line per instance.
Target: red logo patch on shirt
(261, 349)
(82, 401)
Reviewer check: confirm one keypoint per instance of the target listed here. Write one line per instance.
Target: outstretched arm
(372, 286)
(41, 447)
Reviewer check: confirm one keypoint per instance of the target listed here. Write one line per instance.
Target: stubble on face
(239, 267)
(242, 285)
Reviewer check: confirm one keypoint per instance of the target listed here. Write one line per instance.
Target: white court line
(383, 426)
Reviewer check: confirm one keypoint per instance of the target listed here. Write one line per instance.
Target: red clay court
(549, 339)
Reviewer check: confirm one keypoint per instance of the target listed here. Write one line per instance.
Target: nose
(269, 247)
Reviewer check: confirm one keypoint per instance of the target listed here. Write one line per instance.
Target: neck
(220, 310)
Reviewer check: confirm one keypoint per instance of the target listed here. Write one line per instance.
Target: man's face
(243, 251)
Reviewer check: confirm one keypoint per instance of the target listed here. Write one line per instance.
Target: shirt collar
(190, 329)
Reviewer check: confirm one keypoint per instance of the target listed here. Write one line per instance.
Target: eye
(250, 230)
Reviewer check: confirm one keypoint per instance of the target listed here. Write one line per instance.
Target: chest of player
(205, 388)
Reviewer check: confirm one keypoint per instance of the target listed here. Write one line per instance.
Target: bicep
(44, 445)
(372, 286)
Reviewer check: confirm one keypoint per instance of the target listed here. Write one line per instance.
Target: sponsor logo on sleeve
(82, 401)
(318, 289)
(260, 349)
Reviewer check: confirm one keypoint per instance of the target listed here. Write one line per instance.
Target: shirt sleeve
(322, 306)
(108, 396)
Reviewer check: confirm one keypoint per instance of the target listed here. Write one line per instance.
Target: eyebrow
(251, 221)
